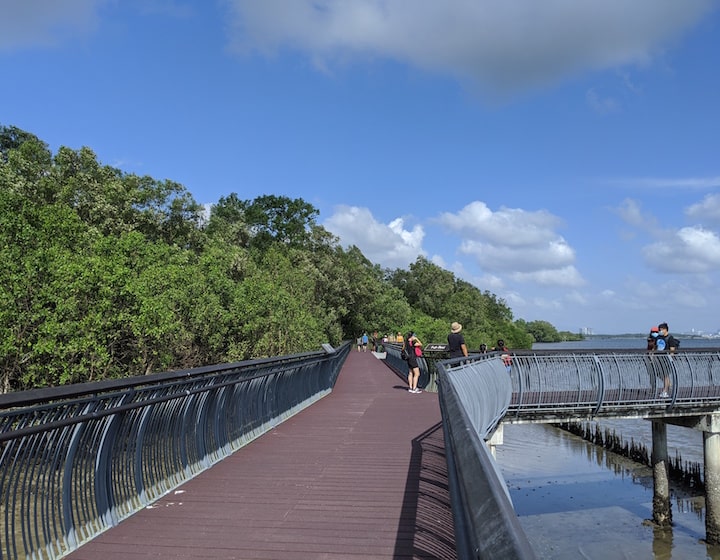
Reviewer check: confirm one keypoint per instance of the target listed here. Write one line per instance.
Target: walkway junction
(319, 455)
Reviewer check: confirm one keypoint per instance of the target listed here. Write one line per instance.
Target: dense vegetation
(108, 274)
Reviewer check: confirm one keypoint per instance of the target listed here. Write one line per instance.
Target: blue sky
(562, 154)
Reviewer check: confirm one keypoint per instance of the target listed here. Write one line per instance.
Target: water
(577, 500)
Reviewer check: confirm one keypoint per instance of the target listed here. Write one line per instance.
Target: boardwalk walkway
(360, 474)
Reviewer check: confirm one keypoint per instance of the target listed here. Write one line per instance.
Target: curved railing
(555, 385)
(76, 460)
(474, 396)
(427, 365)
(479, 392)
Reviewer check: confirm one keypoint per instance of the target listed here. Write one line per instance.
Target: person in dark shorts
(412, 342)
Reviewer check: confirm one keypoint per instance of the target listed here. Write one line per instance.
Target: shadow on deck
(359, 474)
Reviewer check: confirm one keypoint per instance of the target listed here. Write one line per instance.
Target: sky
(563, 155)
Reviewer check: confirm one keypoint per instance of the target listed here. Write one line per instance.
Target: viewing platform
(359, 474)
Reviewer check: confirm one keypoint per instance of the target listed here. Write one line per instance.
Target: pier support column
(495, 440)
(711, 448)
(662, 512)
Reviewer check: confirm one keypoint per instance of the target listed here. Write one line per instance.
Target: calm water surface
(576, 500)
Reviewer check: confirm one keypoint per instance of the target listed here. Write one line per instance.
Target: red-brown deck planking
(359, 474)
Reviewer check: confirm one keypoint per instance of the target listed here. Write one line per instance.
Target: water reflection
(578, 500)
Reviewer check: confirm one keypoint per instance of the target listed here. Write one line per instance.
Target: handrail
(77, 460)
(474, 396)
(556, 385)
(479, 392)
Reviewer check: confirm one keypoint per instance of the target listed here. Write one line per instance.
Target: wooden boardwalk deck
(360, 474)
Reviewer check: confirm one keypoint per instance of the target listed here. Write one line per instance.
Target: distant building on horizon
(585, 331)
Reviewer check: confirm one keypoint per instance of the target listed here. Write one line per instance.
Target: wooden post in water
(662, 511)
(711, 449)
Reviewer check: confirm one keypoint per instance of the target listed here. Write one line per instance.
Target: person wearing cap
(456, 342)
(652, 339)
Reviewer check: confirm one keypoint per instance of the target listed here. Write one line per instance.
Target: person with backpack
(665, 342)
(410, 348)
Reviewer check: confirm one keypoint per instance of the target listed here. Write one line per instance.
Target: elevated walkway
(359, 474)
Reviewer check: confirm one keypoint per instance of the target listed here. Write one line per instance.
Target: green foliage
(107, 274)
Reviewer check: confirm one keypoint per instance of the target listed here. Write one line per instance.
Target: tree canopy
(109, 274)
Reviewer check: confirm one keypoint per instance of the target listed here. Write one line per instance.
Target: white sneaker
(664, 395)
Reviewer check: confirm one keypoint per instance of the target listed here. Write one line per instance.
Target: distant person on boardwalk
(365, 341)
(359, 343)
(665, 342)
(505, 356)
(411, 343)
(456, 342)
(652, 339)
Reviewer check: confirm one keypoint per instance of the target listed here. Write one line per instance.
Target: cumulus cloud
(632, 214)
(689, 250)
(390, 245)
(41, 22)
(565, 276)
(522, 245)
(706, 211)
(500, 46)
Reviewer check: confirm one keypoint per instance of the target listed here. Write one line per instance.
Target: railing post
(662, 510)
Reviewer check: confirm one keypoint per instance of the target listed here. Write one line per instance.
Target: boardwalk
(360, 474)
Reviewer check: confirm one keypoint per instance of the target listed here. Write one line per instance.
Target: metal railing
(474, 396)
(77, 460)
(478, 393)
(427, 364)
(558, 385)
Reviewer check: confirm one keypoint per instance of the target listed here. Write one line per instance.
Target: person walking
(456, 342)
(411, 344)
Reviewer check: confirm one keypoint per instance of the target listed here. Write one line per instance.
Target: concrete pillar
(495, 440)
(711, 448)
(662, 512)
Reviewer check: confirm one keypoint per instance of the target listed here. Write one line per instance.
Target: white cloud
(689, 250)
(520, 244)
(507, 226)
(42, 22)
(667, 183)
(389, 245)
(631, 213)
(708, 210)
(565, 276)
(500, 46)
(601, 104)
